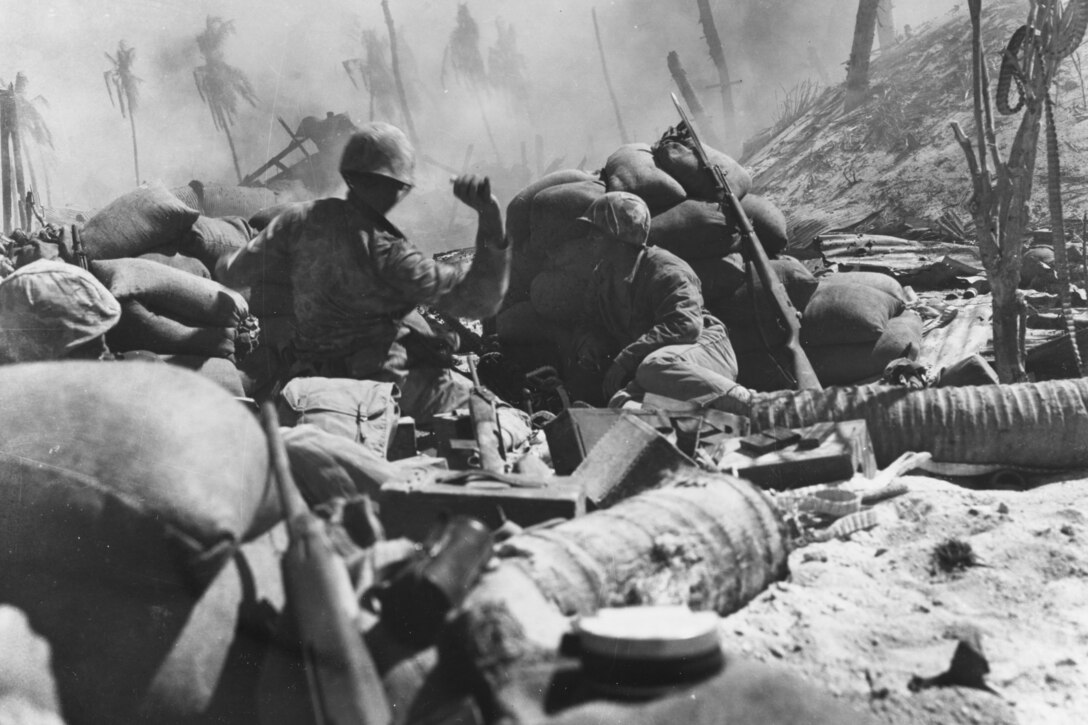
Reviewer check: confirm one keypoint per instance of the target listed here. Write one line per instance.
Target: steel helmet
(621, 216)
(379, 148)
(48, 308)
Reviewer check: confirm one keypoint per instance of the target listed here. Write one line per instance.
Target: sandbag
(694, 230)
(843, 313)
(559, 296)
(519, 210)
(555, 211)
(864, 362)
(631, 168)
(679, 161)
(142, 329)
(217, 369)
(876, 280)
(739, 315)
(219, 200)
(211, 238)
(183, 297)
(147, 219)
(180, 262)
(525, 265)
(363, 411)
(768, 221)
(124, 490)
(721, 277)
(698, 230)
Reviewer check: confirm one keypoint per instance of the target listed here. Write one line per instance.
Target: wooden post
(680, 76)
(608, 81)
(717, 54)
(857, 73)
(885, 24)
(401, 95)
(539, 155)
(6, 100)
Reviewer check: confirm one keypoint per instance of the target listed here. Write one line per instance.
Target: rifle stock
(485, 423)
(804, 375)
(345, 688)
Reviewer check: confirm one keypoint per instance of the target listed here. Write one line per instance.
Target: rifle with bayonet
(344, 685)
(803, 374)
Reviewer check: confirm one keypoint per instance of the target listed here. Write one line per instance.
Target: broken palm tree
(398, 80)
(221, 85)
(680, 77)
(505, 65)
(624, 138)
(1001, 193)
(120, 78)
(464, 58)
(725, 85)
(857, 73)
(374, 72)
(31, 127)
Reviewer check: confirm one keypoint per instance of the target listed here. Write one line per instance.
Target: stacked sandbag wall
(552, 265)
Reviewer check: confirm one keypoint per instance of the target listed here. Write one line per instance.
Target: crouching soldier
(647, 329)
(340, 284)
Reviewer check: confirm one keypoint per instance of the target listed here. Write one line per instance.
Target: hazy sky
(292, 51)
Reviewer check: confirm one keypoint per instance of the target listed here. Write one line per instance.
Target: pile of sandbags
(855, 324)
(167, 311)
(852, 325)
(153, 223)
(552, 264)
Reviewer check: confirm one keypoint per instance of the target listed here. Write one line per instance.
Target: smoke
(293, 54)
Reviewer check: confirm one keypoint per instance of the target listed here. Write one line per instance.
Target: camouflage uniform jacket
(350, 281)
(662, 305)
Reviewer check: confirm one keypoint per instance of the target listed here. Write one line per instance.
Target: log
(707, 540)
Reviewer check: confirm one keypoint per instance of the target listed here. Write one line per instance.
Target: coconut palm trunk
(135, 149)
(857, 74)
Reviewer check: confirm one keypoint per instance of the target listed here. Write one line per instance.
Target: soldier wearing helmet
(336, 284)
(648, 330)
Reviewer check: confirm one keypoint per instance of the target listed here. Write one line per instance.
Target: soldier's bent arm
(474, 292)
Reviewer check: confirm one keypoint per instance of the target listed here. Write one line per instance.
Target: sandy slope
(896, 154)
(876, 604)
